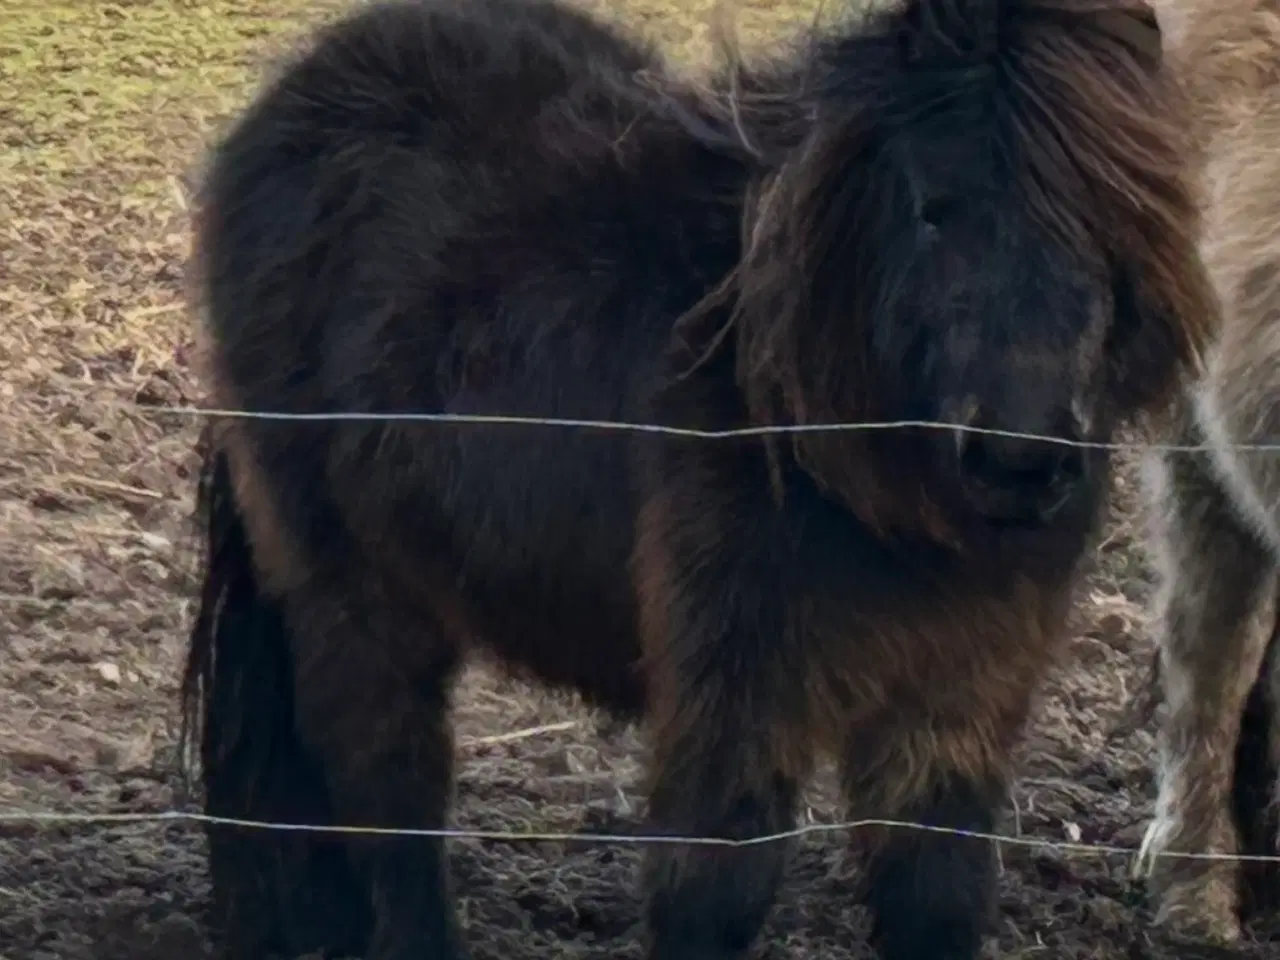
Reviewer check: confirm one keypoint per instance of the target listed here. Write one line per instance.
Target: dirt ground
(113, 102)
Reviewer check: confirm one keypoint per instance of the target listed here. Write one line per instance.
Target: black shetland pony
(962, 210)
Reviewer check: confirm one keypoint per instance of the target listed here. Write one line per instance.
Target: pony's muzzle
(1020, 477)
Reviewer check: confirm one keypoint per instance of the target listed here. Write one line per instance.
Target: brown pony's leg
(1213, 615)
(373, 684)
(709, 903)
(931, 893)
(730, 746)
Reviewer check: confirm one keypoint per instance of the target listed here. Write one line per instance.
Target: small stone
(109, 672)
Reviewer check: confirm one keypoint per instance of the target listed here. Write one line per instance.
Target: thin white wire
(633, 427)
(178, 816)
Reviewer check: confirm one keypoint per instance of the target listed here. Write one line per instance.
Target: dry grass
(106, 107)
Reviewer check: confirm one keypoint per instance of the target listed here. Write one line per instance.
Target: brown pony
(1216, 529)
(962, 210)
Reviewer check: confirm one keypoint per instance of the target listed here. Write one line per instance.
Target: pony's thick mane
(1083, 110)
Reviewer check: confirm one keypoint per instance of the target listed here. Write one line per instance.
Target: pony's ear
(1138, 28)
(950, 31)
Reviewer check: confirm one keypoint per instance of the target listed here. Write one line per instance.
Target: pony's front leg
(729, 745)
(720, 779)
(935, 759)
(931, 886)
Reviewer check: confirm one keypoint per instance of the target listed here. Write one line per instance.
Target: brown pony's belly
(575, 631)
(593, 651)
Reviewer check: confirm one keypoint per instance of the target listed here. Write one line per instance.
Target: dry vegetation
(105, 109)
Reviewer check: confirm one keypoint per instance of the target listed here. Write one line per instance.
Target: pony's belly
(590, 647)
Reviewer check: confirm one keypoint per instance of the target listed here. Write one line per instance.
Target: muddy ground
(113, 104)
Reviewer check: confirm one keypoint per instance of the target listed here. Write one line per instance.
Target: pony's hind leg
(1214, 615)
(372, 686)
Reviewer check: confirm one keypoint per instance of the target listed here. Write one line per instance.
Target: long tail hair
(238, 634)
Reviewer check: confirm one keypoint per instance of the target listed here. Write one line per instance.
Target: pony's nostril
(1025, 476)
(1017, 464)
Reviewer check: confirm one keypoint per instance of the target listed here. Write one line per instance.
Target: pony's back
(415, 115)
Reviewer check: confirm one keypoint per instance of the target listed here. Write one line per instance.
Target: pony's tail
(1255, 788)
(237, 691)
(236, 669)
(238, 657)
